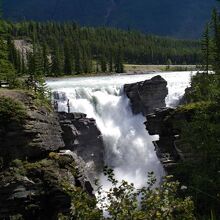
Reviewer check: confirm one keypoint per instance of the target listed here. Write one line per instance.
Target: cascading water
(128, 146)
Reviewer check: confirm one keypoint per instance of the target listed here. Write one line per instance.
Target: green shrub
(11, 111)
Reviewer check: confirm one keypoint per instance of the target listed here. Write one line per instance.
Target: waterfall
(128, 146)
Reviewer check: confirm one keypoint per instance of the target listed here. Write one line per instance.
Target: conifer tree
(206, 49)
(46, 62)
(35, 68)
(216, 41)
(56, 67)
(7, 71)
(78, 59)
(68, 69)
(119, 67)
(103, 63)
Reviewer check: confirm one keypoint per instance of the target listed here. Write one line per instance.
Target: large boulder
(81, 135)
(147, 95)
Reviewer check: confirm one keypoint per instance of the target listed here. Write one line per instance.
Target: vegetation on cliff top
(11, 111)
(201, 131)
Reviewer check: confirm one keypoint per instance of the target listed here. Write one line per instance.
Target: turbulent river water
(128, 146)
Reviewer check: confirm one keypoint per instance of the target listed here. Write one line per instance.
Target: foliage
(70, 49)
(123, 201)
(11, 111)
(7, 71)
(204, 88)
(202, 134)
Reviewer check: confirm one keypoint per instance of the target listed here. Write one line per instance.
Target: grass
(158, 68)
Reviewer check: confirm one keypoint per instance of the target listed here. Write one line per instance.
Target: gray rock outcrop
(39, 134)
(147, 95)
(170, 148)
(41, 190)
(81, 135)
(39, 177)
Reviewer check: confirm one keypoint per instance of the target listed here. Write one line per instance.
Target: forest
(68, 49)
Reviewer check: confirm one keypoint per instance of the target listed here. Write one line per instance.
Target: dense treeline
(70, 49)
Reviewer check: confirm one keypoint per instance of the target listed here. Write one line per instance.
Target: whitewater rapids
(128, 146)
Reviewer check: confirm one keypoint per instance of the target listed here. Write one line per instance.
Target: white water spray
(128, 146)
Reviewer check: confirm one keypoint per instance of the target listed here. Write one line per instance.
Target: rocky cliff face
(39, 134)
(40, 178)
(41, 190)
(82, 136)
(147, 95)
(170, 148)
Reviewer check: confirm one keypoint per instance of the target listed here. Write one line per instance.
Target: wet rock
(59, 96)
(147, 95)
(81, 135)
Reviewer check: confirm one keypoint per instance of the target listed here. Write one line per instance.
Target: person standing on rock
(68, 105)
(56, 106)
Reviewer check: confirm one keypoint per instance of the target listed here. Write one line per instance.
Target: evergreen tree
(119, 67)
(14, 55)
(56, 65)
(68, 69)
(78, 59)
(7, 71)
(206, 49)
(35, 68)
(110, 64)
(46, 62)
(103, 63)
(216, 41)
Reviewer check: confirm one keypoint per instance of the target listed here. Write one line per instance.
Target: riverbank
(131, 69)
(158, 68)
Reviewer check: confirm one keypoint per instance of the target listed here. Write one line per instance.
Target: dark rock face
(40, 190)
(147, 95)
(40, 133)
(82, 136)
(37, 186)
(170, 148)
